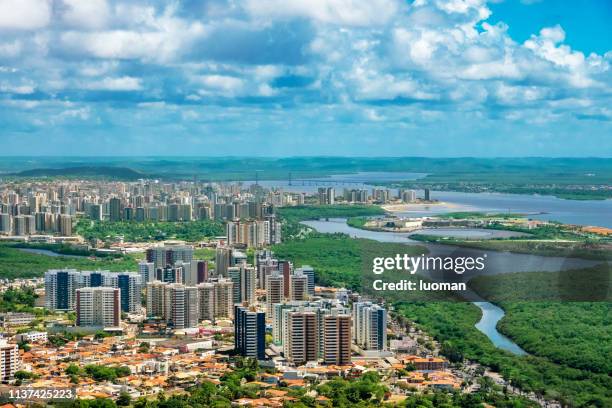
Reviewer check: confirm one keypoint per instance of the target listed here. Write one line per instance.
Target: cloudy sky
(306, 77)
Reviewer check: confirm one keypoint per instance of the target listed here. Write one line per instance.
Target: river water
(580, 212)
(47, 252)
(497, 262)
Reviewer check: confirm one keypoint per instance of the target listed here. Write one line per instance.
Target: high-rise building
(65, 225)
(216, 299)
(130, 284)
(299, 286)
(163, 256)
(60, 289)
(275, 287)
(147, 272)
(370, 326)
(252, 233)
(169, 274)
(327, 196)
(10, 361)
(201, 268)
(222, 260)
(427, 195)
(6, 226)
(245, 283)
(303, 339)
(115, 209)
(182, 306)
(337, 339)
(249, 332)
(286, 268)
(310, 273)
(408, 196)
(156, 300)
(98, 307)
(206, 296)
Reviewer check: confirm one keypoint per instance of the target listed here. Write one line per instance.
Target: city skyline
(385, 78)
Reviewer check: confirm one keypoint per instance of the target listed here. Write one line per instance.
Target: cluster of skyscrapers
(254, 233)
(98, 297)
(182, 292)
(31, 213)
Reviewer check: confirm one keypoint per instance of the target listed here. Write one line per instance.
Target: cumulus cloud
(341, 12)
(92, 14)
(392, 62)
(24, 14)
(125, 83)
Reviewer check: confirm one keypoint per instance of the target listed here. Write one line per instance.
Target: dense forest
(15, 263)
(150, 231)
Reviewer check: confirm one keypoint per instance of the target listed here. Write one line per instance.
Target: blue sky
(306, 77)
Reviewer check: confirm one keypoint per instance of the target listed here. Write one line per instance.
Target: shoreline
(423, 207)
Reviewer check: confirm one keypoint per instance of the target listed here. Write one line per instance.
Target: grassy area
(15, 263)
(150, 231)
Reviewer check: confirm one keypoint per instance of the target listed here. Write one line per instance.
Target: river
(497, 262)
(47, 252)
(580, 212)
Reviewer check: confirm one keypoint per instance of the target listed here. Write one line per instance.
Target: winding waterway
(497, 262)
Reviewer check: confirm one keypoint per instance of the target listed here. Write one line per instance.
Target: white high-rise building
(10, 361)
(310, 273)
(245, 283)
(182, 306)
(98, 307)
(216, 299)
(370, 326)
(156, 299)
(275, 287)
(147, 271)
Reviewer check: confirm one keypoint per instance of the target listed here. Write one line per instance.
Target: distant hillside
(123, 173)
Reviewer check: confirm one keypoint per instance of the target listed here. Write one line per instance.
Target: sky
(306, 77)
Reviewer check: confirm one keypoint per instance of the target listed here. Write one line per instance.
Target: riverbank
(434, 206)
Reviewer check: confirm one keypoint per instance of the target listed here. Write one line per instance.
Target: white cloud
(24, 14)
(17, 89)
(10, 49)
(91, 14)
(125, 83)
(227, 85)
(344, 12)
